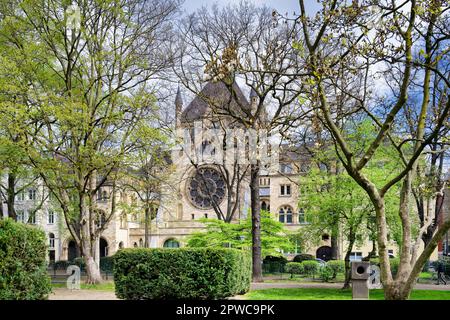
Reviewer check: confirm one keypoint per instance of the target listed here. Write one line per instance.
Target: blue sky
(281, 6)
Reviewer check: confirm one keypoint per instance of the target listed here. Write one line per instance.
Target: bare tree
(244, 44)
(380, 37)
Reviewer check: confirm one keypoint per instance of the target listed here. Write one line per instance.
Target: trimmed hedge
(303, 257)
(274, 264)
(310, 267)
(184, 273)
(23, 265)
(338, 266)
(326, 273)
(107, 263)
(294, 268)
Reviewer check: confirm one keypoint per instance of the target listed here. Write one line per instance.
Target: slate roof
(218, 96)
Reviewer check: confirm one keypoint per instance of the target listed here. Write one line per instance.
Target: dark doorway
(51, 256)
(324, 253)
(103, 248)
(72, 251)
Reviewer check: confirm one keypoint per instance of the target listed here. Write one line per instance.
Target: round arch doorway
(324, 253)
(73, 251)
(103, 247)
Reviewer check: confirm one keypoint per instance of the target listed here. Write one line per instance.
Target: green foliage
(274, 264)
(326, 273)
(80, 262)
(310, 267)
(220, 234)
(294, 268)
(302, 257)
(279, 259)
(338, 266)
(185, 273)
(394, 262)
(23, 274)
(107, 263)
(334, 203)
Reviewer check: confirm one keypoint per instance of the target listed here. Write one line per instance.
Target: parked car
(321, 262)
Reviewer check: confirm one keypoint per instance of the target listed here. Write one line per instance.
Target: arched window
(171, 243)
(264, 206)
(141, 242)
(120, 245)
(103, 247)
(285, 214)
(135, 245)
(51, 240)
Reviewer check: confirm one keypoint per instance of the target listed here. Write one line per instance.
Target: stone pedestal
(360, 283)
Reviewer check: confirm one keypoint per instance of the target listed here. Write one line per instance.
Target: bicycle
(445, 277)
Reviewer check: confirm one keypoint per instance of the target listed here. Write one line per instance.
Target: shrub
(23, 266)
(310, 267)
(107, 263)
(326, 273)
(294, 268)
(303, 257)
(394, 262)
(61, 265)
(185, 273)
(274, 264)
(80, 262)
(338, 266)
(279, 259)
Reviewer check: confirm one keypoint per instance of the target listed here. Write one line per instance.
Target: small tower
(253, 99)
(178, 108)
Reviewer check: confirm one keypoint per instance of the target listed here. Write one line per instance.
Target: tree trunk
(11, 193)
(147, 209)
(92, 269)
(373, 253)
(88, 249)
(334, 247)
(386, 275)
(89, 242)
(256, 223)
(348, 269)
(396, 291)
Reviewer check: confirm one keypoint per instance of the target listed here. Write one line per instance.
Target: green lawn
(105, 286)
(286, 277)
(335, 294)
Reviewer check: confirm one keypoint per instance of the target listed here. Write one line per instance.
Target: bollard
(360, 283)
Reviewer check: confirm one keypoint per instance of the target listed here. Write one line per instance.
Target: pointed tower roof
(178, 98)
(218, 95)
